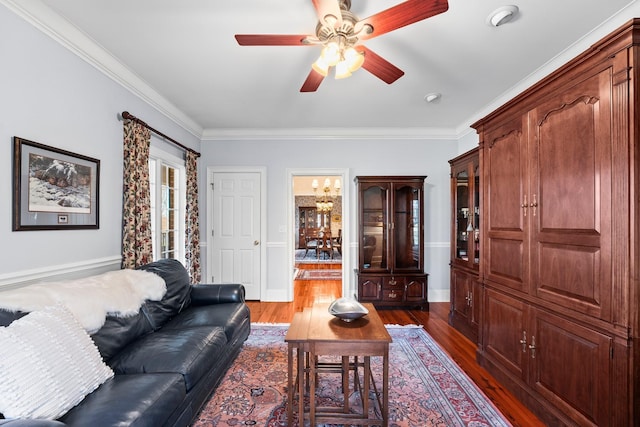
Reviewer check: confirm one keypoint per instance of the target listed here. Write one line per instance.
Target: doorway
(309, 222)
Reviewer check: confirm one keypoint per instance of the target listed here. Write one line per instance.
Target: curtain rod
(128, 116)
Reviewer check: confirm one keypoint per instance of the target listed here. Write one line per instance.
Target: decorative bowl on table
(347, 309)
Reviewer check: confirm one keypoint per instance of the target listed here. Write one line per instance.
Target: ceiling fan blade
(380, 67)
(313, 82)
(400, 15)
(326, 8)
(271, 39)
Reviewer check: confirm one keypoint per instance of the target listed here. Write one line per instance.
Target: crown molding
(69, 36)
(228, 134)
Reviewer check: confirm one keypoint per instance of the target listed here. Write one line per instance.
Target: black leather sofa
(167, 360)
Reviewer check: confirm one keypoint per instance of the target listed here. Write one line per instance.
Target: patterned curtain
(136, 205)
(192, 244)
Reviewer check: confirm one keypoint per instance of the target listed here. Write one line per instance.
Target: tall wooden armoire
(560, 239)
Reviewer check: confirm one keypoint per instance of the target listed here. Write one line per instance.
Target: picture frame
(54, 189)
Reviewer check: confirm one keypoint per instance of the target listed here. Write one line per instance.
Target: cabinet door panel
(505, 187)
(415, 289)
(506, 164)
(370, 289)
(406, 227)
(475, 303)
(460, 293)
(506, 262)
(572, 190)
(374, 220)
(503, 328)
(582, 390)
(578, 282)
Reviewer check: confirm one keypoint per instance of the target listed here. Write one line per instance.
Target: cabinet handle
(393, 295)
(524, 205)
(392, 282)
(532, 347)
(534, 205)
(523, 341)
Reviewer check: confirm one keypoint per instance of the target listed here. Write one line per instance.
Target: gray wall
(360, 157)
(51, 96)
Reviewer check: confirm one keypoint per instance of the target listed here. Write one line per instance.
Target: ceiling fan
(340, 32)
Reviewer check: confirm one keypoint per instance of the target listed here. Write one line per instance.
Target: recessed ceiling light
(502, 15)
(432, 97)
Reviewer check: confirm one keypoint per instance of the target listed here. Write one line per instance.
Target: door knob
(256, 242)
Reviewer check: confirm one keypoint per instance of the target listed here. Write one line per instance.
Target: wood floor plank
(434, 321)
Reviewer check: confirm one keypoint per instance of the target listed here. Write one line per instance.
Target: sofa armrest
(206, 294)
(31, 423)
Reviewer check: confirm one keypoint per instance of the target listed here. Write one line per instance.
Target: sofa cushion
(178, 294)
(190, 352)
(130, 400)
(118, 331)
(231, 317)
(48, 364)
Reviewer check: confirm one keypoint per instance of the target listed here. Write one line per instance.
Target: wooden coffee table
(315, 332)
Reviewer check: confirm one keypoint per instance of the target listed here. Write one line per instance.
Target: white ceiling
(182, 57)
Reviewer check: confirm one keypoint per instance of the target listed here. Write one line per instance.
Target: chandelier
(324, 200)
(339, 42)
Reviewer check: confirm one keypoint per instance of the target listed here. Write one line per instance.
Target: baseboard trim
(439, 295)
(60, 272)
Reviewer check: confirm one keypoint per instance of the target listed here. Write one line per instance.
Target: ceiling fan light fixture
(502, 15)
(353, 58)
(342, 70)
(321, 66)
(331, 53)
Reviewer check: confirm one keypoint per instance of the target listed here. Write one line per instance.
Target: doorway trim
(211, 171)
(346, 223)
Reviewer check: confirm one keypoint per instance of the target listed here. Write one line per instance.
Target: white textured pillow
(48, 364)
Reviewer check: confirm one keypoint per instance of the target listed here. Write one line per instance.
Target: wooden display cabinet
(307, 221)
(465, 286)
(391, 241)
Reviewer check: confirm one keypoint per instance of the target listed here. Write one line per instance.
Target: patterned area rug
(310, 257)
(426, 387)
(318, 274)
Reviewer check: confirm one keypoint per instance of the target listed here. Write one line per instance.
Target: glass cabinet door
(476, 215)
(463, 217)
(374, 222)
(406, 227)
(465, 201)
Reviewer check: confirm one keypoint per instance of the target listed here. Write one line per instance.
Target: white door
(236, 230)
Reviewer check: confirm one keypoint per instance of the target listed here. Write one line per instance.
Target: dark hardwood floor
(306, 292)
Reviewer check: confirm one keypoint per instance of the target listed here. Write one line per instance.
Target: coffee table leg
(385, 388)
(301, 384)
(345, 383)
(312, 389)
(290, 382)
(365, 392)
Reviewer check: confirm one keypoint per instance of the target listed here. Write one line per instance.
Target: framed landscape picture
(53, 189)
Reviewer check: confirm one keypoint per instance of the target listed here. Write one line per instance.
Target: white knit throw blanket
(90, 299)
